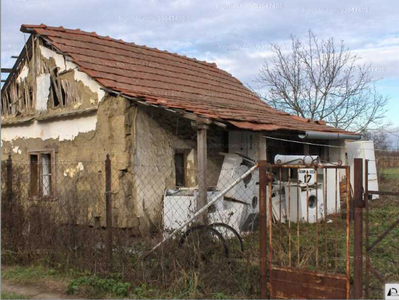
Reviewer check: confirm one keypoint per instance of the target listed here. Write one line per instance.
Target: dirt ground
(33, 291)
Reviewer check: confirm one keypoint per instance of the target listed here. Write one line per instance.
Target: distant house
(74, 96)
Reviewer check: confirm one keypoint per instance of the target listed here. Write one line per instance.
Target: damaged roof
(170, 80)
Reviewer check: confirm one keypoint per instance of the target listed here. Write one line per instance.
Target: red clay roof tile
(170, 80)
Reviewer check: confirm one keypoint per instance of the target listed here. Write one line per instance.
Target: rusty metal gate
(307, 227)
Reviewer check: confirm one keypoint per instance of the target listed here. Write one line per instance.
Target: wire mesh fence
(103, 218)
(381, 220)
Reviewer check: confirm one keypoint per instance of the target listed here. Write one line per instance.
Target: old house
(74, 96)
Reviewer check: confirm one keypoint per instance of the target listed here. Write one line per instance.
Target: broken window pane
(34, 172)
(46, 174)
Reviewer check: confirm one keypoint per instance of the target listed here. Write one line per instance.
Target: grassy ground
(85, 285)
(383, 212)
(390, 173)
(327, 252)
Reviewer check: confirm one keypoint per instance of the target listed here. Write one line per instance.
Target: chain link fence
(105, 218)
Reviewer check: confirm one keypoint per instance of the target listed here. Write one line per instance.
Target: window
(41, 174)
(179, 169)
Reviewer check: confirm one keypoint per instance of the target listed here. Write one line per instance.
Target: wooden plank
(18, 63)
(56, 88)
(34, 73)
(67, 114)
(202, 169)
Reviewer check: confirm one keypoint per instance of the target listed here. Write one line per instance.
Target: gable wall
(80, 145)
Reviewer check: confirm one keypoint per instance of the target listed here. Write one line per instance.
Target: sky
(236, 35)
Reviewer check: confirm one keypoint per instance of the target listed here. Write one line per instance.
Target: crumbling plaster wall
(45, 76)
(80, 141)
(141, 143)
(80, 152)
(159, 135)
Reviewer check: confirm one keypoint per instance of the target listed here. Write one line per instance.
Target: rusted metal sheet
(303, 284)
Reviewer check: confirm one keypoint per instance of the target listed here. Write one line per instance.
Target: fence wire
(57, 213)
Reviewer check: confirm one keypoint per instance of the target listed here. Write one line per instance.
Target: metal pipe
(204, 208)
(316, 135)
(263, 228)
(348, 205)
(358, 228)
(366, 200)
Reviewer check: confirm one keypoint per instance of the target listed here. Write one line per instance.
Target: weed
(22, 274)
(97, 287)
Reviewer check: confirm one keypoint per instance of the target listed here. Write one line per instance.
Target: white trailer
(364, 150)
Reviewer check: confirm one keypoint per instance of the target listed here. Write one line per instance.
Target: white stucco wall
(66, 129)
(42, 92)
(24, 73)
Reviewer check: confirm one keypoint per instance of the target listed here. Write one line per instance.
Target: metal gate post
(366, 200)
(263, 228)
(108, 207)
(358, 227)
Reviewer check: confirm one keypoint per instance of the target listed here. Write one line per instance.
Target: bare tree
(380, 139)
(321, 81)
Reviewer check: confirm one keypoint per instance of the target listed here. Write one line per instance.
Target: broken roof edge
(180, 112)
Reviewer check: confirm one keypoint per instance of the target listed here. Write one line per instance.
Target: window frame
(39, 195)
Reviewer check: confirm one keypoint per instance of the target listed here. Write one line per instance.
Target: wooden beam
(181, 112)
(6, 70)
(24, 54)
(202, 199)
(34, 73)
(261, 147)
